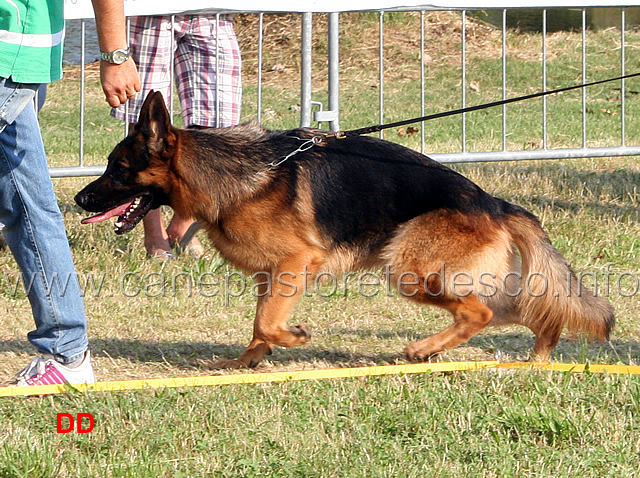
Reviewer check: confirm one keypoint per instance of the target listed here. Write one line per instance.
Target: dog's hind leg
(444, 259)
(470, 317)
(278, 295)
(546, 340)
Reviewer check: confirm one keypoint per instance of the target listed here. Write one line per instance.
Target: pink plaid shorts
(202, 82)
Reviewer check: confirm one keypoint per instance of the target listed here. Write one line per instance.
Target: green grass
(149, 320)
(469, 424)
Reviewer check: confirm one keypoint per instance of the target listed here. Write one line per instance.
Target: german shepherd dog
(344, 205)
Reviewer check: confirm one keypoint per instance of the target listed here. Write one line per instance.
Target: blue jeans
(34, 229)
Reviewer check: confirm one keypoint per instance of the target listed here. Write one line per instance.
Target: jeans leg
(35, 232)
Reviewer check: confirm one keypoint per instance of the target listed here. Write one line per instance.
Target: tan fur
(561, 306)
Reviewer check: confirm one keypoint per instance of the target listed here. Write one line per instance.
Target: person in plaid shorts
(207, 70)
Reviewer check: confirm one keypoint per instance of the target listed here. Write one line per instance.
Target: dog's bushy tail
(552, 297)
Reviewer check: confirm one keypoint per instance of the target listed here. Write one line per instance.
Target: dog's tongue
(103, 216)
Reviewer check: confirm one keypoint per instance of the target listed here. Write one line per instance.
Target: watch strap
(110, 56)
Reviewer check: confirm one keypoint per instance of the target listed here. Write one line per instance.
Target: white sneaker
(45, 370)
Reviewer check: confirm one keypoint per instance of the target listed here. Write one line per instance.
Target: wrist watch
(116, 57)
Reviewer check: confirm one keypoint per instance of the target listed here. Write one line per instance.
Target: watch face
(120, 56)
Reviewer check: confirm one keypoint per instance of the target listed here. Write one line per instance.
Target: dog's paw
(302, 332)
(420, 354)
(228, 364)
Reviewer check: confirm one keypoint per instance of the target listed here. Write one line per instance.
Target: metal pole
(334, 70)
(463, 83)
(171, 65)
(623, 98)
(544, 78)
(260, 44)
(305, 70)
(381, 66)
(126, 105)
(422, 81)
(82, 90)
(218, 121)
(584, 77)
(504, 79)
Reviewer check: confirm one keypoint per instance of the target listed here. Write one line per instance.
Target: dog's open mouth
(129, 214)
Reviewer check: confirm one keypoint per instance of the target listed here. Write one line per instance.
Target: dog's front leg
(278, 293)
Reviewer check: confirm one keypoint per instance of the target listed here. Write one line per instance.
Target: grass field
(149, 319)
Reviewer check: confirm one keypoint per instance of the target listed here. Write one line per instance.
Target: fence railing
(329, 116)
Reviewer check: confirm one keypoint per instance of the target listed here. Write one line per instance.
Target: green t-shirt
(31, 37)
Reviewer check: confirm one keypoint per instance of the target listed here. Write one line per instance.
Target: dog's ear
(155, 123)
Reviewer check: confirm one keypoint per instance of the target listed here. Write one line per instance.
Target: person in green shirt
(31, 42)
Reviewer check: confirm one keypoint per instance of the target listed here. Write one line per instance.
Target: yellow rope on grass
(247, 378)
(575, 367)
(322, 374)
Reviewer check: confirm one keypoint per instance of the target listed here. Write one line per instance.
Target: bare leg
(156, 240)
(176, 231)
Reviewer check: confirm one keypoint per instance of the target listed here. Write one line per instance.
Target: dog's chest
(247, 248)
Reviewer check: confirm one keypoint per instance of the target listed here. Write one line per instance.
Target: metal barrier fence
(330, 117)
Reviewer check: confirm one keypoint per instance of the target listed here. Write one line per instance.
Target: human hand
(119, 82)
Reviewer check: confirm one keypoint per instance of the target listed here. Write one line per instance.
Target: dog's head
(137, 176)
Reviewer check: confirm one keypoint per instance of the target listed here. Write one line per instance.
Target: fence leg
(305, 70)
(332, 115)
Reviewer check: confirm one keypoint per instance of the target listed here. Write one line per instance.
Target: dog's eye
(120, 176)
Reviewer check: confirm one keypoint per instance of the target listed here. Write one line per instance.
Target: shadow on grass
(597, 208)
(190, 355)
(619, 183)
(517, 346)
(200, 355)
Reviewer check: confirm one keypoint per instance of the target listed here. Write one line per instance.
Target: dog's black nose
(83, 198)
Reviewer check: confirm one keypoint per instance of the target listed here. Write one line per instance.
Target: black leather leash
(323, 138)
(380, 127)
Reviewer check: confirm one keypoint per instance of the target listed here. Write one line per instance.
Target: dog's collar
(306, 145)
